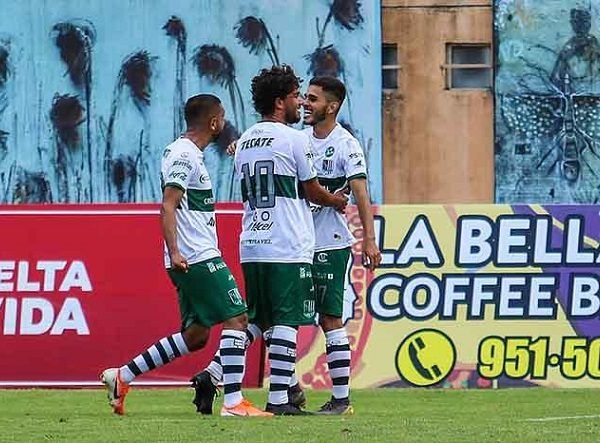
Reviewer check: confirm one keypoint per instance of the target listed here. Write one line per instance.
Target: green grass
(381, 415)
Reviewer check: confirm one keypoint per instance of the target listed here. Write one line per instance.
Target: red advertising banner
(83, 287)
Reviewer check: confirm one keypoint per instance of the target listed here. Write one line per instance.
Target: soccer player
(273, 163)
(340, 162)
(207, 291)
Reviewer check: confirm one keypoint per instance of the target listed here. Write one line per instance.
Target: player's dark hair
(200, 108)
(331, 86)
(271, 84)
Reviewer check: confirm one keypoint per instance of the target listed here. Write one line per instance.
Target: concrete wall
(438, 143)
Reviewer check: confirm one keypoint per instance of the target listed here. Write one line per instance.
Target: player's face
(292, 103)
(315, 105)
(217, 123)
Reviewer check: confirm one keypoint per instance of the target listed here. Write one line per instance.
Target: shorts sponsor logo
(309, 308)
(235, 297)
(305, 273)
(214, 267)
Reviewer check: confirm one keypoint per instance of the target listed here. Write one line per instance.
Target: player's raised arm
(172, 196)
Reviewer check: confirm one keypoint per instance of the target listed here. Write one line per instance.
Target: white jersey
(183, 167)
(338, 159)
(277, 227)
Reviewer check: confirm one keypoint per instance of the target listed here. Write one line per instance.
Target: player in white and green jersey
(340, 163)
(207, 291)
(273, 163)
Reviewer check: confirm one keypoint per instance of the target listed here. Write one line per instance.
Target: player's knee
(239, 323)
(329, 323)
(196, 337)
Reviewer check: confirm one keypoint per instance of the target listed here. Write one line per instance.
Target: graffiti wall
(91, 92)
(547, 101)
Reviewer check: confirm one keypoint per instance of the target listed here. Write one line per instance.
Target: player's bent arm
(317, 194)
(361, 195)
(171, 198)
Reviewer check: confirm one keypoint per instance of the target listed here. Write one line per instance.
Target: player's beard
(292, 115)
(316, 117)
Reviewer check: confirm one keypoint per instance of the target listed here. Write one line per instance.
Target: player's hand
(341, 201)
(231, 148)
(178, 263)
(371, 257)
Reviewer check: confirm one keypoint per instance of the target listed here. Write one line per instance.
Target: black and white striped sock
(282, 358)
(233, 360)
(160, 353)
(215, 369)
(338, 361)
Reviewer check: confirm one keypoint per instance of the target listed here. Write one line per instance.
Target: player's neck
(198, 138)
(276, 117)
(324, 128)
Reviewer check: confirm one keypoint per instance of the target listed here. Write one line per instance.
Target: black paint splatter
(66, 115)
(325, 61)
(216, 64)
(136, 72)
(347, 13)
(75, 44)
(253, 33)
(175, 28)
(123, 175)
(32, 187)
(4, 65)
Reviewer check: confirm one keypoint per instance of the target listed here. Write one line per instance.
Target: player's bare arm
(317, 194)
(171, 199)
(371, 254)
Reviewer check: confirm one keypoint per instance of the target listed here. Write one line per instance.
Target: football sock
(233, 359)
(282, 359)
(338, 361)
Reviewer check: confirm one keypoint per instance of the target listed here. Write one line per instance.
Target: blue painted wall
(91, 92)
(547, 101)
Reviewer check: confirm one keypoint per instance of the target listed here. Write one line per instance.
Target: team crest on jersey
(327, 166)
(329, 151)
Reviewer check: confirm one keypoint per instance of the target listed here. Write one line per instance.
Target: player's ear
(333, 107)
(213, 124)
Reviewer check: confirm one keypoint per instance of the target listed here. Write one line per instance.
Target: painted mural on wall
(91, 92)
(547, 101)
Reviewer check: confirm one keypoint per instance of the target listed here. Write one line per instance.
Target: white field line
(571, 417)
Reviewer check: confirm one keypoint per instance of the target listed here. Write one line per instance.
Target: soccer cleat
(244, 409)
(285, 409)
(117, 389)
(205, 394)
(296, 396)
(336, 407)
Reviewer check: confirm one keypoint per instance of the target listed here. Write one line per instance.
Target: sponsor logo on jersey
(203, 178)
(185, 163)
(178, 175)
(327, 166)
(355, 155)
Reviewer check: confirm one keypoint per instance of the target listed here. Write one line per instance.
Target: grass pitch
(511, 415)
